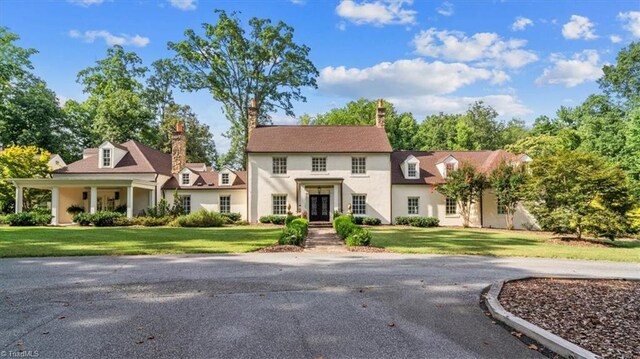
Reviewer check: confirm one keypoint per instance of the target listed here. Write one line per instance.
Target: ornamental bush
(371, 221)
(231, 218)
(28, 219)
(358, 237)
(275, 219)
(75, 209)
(100, 219)
(294, 232)
(148, 221)
(417, 221)
(344, 226)
(200, 218)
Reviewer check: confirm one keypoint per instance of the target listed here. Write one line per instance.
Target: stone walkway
(324, 240)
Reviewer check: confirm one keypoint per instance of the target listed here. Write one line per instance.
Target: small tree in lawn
(465, 185)
(178, 207)
(508, 182)
(578, 192)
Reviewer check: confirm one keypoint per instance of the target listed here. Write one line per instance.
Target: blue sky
(526, 58)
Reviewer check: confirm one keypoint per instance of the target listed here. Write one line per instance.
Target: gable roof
(319, 139)
(139, 159)
(208, 181)
(484, 161)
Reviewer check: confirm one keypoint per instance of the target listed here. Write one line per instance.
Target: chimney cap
(179, 127)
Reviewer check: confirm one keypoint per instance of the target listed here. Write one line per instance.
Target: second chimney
(381, 114)
(252, 117)
(178, 149)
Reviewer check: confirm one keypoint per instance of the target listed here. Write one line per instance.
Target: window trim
(415, 170)
(228, 205)
(108, 151)
(186, 210)
(222, 179)
(417, 205)
(323, 161)
(273, 204)
(182, 178)
(353, 204)
(447, 207)
(279, 169)
(359, 166)
(500, 208)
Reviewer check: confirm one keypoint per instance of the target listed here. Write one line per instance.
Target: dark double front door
(319, 207)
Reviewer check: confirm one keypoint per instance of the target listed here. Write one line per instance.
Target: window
(279, 165)
(185, 179)
(319, 164)
(279, 204)
(449, 167)
(451, 206)
(106, 157)
(186, 204)
(359, 204)
(225, 204)
(411, 170)
(358, 165)
(225, 178)
(413, 205)
(502, 209)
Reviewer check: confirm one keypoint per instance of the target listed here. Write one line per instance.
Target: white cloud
(379, 13)
(297, 2)
(632, 22)
(521, 23)
(615, 39)
(486, 47)
(505, 105)
(184, 5)
(579, 27)
(581, 67)
(86, 3)
(342, 26)
(446, 9)
(403, 78)
(110, 39)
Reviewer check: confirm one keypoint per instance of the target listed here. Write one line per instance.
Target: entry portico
(321, 197)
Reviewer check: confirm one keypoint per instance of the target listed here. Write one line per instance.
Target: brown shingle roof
(319, 139)
(208, 180)
(484, 161)
(139, 159)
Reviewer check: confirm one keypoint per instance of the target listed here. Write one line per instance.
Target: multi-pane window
(359, 204)
(411, 170)
(451, 207)
(413, 205)
(225, 178)
(319, 164)
(279, 165)
(225, 204)
(502, 209)
(186, 204)
(279, 204)
(106, 157)
(449, 167)
(185, 178)
(358, 165)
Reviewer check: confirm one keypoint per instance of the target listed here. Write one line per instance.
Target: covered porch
(319, 197)
(93, 195)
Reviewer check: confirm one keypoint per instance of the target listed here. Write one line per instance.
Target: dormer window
(412, 170)
(449, 167)
(106, 157)
(185, 179)
(225, 179)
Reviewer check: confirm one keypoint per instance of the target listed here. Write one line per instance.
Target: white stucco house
(315, 170)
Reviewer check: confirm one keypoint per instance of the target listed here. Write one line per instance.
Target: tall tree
(164, 77)
(465, 185)
(265, 64)
(508, 183)
(622, 79)
(22, 162)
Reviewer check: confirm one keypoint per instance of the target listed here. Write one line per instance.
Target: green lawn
(443, 240)
(87, 241)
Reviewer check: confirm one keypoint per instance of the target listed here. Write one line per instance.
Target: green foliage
(344, 226)
(199, 218)
(415, 221)
(3, 219)
(149, 221)
(162, 209)
(290, 217)
(231, 218)
(98, 219)
(621, 79)
(578, 192)
(28, 219)
(465, 185)
(177, 208)
(294, 232)
(358, 237)
(22, 162)
(75, 209)
(121, 209)
(508, 183)
(273, 219)
(237, 65)
(371, 221)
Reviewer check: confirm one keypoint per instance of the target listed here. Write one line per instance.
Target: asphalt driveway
(301, 305)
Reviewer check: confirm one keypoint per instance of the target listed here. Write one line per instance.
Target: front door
(319, 207)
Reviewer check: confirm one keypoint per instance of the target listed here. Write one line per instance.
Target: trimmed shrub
(105, 219)
(122, 221)
(272, 218)
(200, 218)
(231, 218)
(417, 221)
(357, 220)
(371, 221)
(294, 232)
(300, 224)
(28, 219)
(290, 217)
(358, 237)
(148, 221)
(83, 219)
(121, 209)
(344, 226)
(3, 219)
(75, 209)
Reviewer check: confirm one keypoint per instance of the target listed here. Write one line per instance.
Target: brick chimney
(252, 116)
(178, 149)
(381, 113)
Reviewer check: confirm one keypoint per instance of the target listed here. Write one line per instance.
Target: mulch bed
(602, 316)
(578, 243)
(366, 249)
(283, 248)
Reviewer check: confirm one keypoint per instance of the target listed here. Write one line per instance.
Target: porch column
(337, 199)
(130, 202)
(152, 195)
(19, 199)
(55, 195)
(93, 200)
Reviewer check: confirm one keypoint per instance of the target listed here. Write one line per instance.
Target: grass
(443, 240)
(88, 241)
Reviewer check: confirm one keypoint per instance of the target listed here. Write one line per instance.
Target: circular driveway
(298, 305)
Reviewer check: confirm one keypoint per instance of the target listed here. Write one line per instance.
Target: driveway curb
(544, 337)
